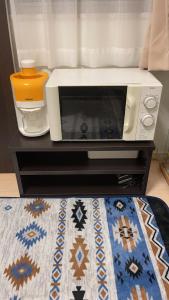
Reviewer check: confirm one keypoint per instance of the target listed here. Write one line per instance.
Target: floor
(157, 186)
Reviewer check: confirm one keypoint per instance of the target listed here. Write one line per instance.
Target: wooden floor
(157, 185)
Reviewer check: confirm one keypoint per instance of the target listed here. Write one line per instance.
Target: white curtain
(71, 33)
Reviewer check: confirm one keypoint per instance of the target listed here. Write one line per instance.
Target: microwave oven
(102, 104)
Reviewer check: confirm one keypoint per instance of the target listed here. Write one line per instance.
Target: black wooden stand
(46, 168)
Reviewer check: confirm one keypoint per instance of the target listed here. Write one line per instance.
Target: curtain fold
(155, 55)
(71, 33)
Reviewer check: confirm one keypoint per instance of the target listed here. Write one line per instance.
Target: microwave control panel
(148, 112)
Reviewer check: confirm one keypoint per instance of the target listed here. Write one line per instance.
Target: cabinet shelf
(75, 185)
(64, 163)
(41, 191)
(98, 166)
(45, 168)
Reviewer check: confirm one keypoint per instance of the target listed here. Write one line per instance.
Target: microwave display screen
(95, 113)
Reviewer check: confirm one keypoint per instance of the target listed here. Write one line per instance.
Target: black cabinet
(46, 168)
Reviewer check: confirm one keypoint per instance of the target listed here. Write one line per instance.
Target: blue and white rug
(84, 249)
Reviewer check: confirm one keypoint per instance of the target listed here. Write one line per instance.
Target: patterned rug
(84, 249)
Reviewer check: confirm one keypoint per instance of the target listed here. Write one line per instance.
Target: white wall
(162, 129)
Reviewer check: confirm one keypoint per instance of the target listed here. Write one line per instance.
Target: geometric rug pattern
(30, 234)
(84, 248)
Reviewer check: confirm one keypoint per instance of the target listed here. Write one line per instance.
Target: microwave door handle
(130, 106)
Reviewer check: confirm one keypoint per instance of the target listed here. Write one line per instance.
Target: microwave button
(150, 102)
(147, 120)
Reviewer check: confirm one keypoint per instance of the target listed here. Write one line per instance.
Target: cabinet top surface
(101, 77)
(43, 143)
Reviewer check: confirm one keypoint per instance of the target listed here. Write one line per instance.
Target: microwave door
(112, 120)
(79, 126)
(92, 113)
(75, 127)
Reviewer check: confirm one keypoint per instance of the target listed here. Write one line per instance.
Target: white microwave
(102, 104)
